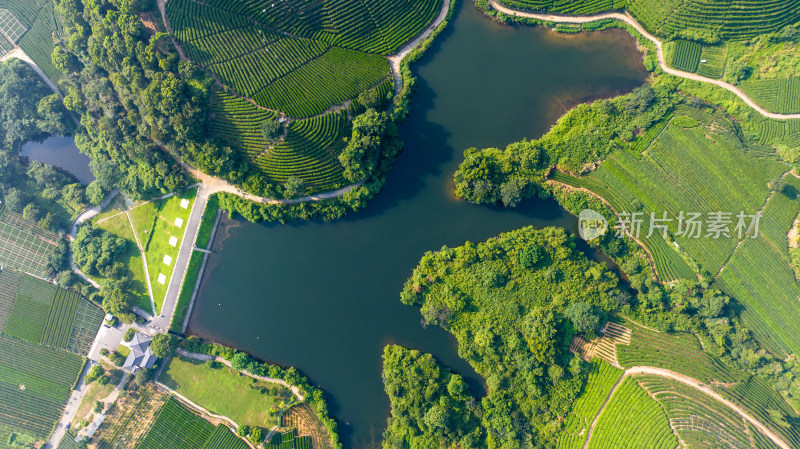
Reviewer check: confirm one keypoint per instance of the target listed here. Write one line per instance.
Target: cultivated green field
(35, 383)
(632, 420)
(297, 59)
(699, 163)
(223, 391)
(177, 428)
(601, 380)
(736, 19)
(696, 417)
(39, 312)
(23, 245)
(40, 21)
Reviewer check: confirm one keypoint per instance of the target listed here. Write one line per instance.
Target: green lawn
(116, 206)
(158, 246)
(120, 226)
(195, 263)
(224, 391)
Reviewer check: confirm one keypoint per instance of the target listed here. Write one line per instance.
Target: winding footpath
(396, 59)
(695, 384)
(661, 60)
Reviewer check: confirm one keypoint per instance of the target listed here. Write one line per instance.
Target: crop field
(668, 178)
(237, 122)
(130, 419)
(775, 95)
(379, 27)
(39, 18)
(177, 428)
(288, 440)
(602, 378)
(735, 19)
(223, 438)
(303, 418)
(715, 57)
(768, 296)
(88, 319)
(23, 246)
(10, 26)
(37, 311)
(309, 152)
(633, 417)
(31, 309)
(35, 383)
(567, 6)
(696, 417)
(57, 330)
(9, 283)
(762, 402)
(301, 75)
(686, 55)
(681, 353)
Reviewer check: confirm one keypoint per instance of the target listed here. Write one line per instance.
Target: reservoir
(324, 297)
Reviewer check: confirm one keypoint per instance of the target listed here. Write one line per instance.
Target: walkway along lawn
(160, 226)
(196, 263)
(226, 392)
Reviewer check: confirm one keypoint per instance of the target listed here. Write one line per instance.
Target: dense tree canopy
(514, 303)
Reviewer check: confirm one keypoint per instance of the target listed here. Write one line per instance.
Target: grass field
(119, 225)
(35, 383)
(195, 264)
(224, 392)
(632, 417)
(23, 246)
(156, 224)
(602, 378)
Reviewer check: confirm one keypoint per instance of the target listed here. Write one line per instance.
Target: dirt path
(697, 385)
(206, 357)
(397, 58)
(661, 60)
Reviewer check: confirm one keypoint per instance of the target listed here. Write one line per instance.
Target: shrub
(129, 335)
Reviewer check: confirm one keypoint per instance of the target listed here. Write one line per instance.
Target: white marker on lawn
(173, 241)
(179, 222)
(162, 278)
(184, 203)
(167, 260)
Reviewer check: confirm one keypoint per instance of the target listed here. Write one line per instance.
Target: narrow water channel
(324, 297)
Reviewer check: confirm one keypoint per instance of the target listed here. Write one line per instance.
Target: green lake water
(324, 297)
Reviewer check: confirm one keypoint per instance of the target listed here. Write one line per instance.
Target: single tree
(162, 345)
(294, 187)
(129, 335)
(271, 129)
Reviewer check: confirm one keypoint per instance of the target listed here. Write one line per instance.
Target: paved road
(162, 322)
(661, 60)
(17, 53)
(69, 413)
